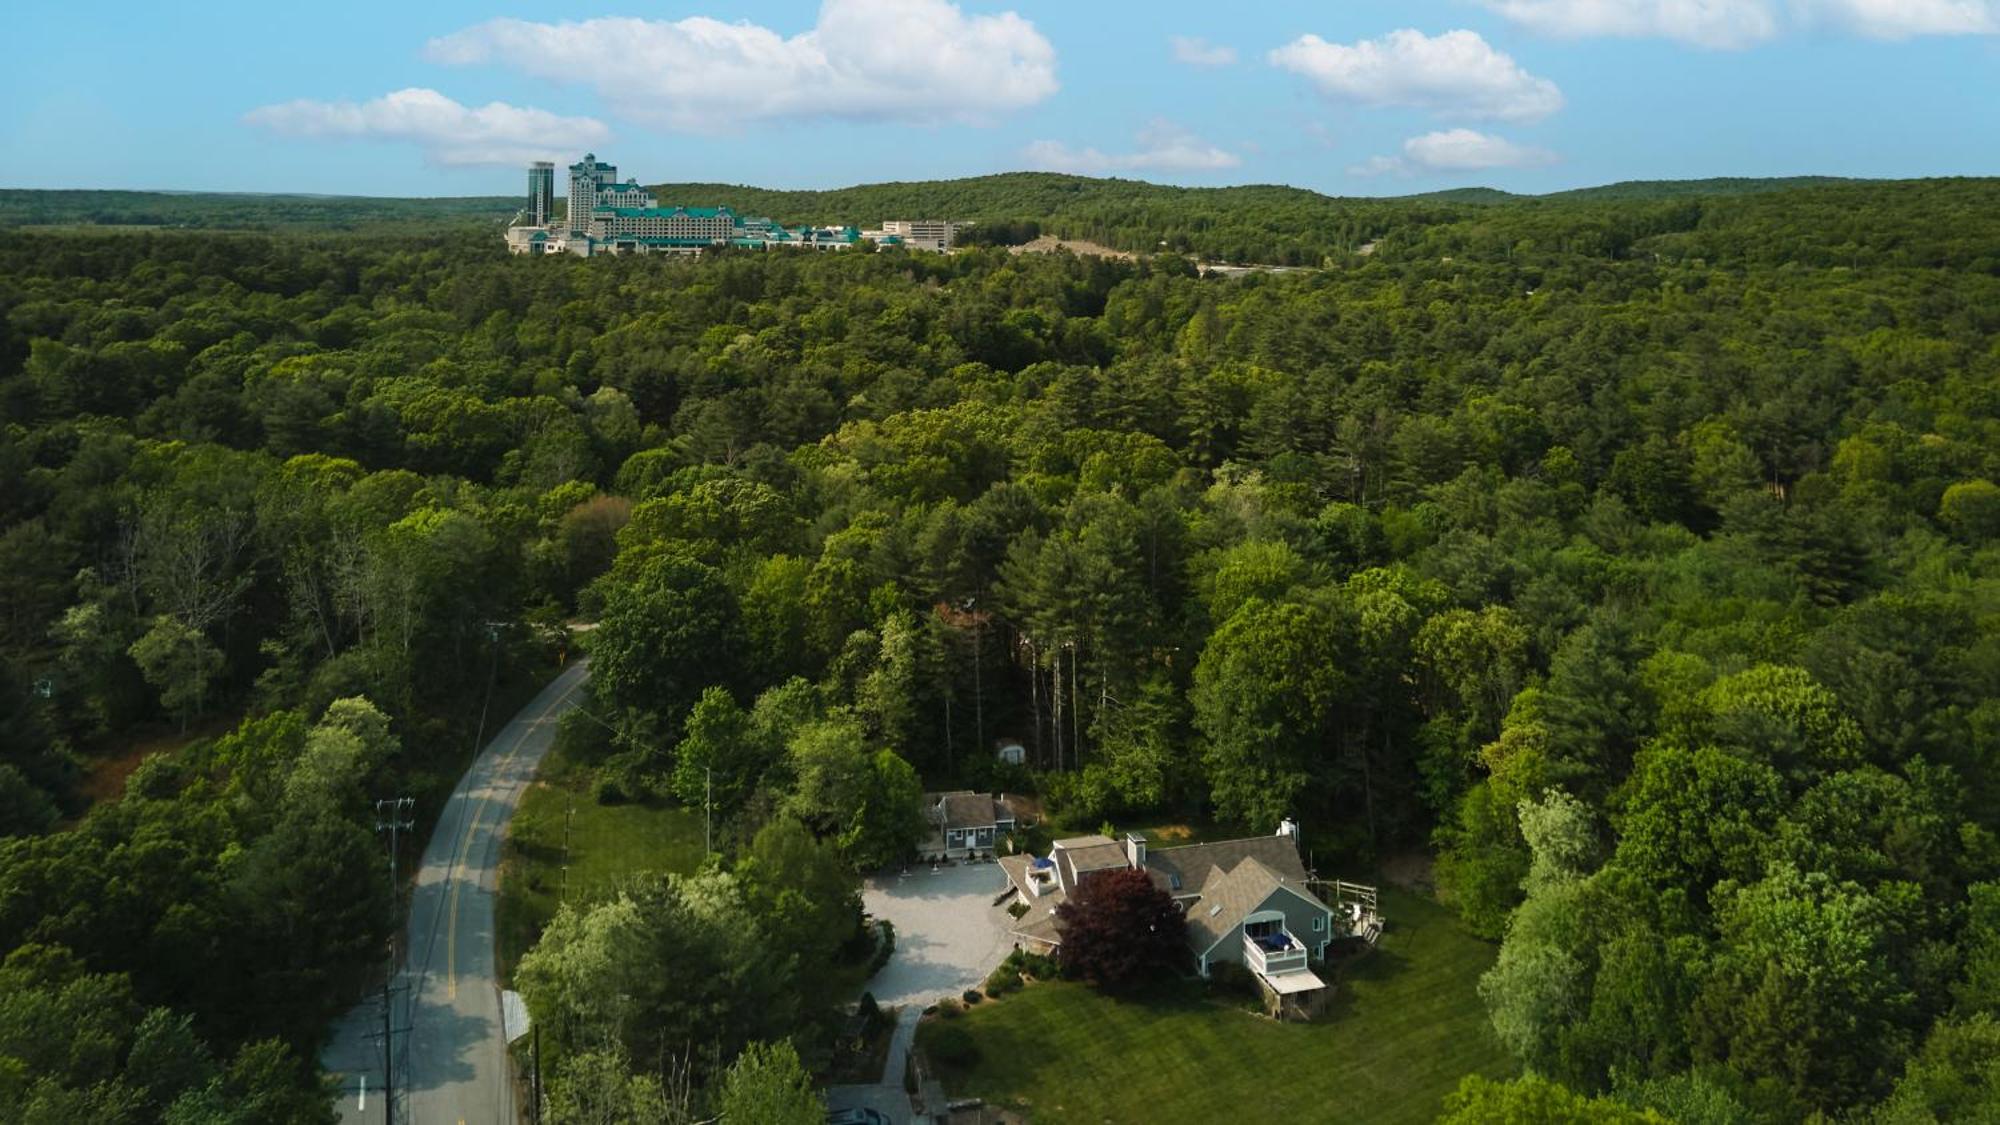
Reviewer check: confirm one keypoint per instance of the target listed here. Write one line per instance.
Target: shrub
(1037, 965)
(971, 996)
(608, 788)
(885, 948)
(1003, 980)
(582, 740)
(1232, 982)
(953, 1045)
(1017, 909)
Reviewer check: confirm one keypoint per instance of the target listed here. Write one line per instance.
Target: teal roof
(666, 212)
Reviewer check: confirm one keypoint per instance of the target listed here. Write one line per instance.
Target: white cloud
(1454, 150)
(1200, 52)
(905, 60)
(1163, 147)
(1745, 23)
(1457, 73)
(1380, 166)
(1707, 23)
(1905, 19)
(450, 133)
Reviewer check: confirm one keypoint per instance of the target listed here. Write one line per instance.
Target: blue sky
(1348, 97)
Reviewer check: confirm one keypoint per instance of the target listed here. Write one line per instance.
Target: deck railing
(1273, 963)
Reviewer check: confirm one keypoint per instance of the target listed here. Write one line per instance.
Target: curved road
(451, 1056)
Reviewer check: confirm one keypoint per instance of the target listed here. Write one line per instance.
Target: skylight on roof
(1214, 910)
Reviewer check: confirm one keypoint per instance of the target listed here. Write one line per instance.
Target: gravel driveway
(949, 935)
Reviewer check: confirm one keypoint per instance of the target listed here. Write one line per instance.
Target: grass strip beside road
(608, 844)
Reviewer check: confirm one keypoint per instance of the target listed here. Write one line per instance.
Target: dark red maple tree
(1119, 930)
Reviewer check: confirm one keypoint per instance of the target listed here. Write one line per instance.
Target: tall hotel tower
(585, 178)
(541, 193)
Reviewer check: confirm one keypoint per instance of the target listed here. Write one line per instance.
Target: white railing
(1272, 963)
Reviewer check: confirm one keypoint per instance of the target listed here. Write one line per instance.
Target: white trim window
(1319, 923)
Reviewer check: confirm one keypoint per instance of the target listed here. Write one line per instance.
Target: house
(1248, 902)
(967, 822)
(1010, 752)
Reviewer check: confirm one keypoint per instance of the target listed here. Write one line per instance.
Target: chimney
(1135, 850)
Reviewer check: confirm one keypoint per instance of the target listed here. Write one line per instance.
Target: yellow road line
(465, 844)
(451, 934)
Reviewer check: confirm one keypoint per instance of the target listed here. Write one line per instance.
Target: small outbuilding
(968, 822)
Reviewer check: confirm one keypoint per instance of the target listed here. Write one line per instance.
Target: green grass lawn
(1405, 1026)
(608, 844)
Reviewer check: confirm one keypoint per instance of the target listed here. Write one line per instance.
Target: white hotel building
(606, 216)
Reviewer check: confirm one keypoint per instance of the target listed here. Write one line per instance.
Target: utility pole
(492, 676)
(707, 812)
(569, 817)
(392, 816)
(535, 1085)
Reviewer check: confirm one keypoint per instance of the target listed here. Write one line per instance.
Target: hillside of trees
(248, 211)
(1636, 558)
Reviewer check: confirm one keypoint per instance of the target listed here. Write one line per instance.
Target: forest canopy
(1632, 553)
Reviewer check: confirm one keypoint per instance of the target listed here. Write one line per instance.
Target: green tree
(803, 888)
(1803, 991)
(766, 1084)
(1971, 510)
(1266, 694)
(1956, 1077)
(1535, 1101)
(666, 633)
(598, 1087)
(179, 662)
(721, 757)
(871, 801)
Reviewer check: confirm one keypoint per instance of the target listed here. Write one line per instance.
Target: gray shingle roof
(1226, 898)
(973, 810)
(1097, 857)
(1190, 865)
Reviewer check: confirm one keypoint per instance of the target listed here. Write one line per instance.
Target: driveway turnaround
(949, 935)
(451, 1055)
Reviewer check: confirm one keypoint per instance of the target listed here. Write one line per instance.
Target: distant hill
(243, 210)
(1468, 195)
(1259, 223)
(1681, 189)
(1020, 194)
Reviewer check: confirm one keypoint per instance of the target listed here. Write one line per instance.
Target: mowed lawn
(1405, 1027)
(608, 845)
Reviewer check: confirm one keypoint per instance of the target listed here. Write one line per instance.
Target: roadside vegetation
(561, 822)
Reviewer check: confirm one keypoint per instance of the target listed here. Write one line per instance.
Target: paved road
(451, 1062)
